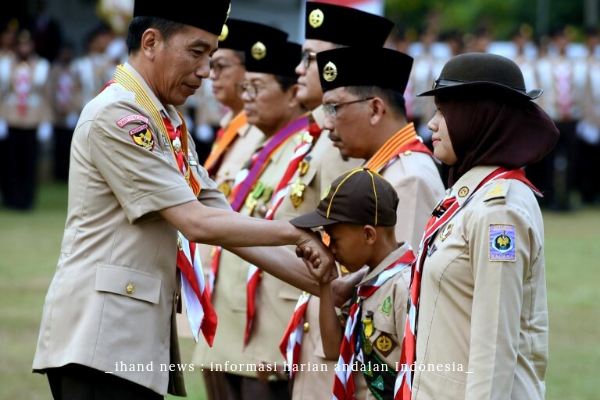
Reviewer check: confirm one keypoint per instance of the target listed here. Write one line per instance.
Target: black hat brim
(312, 220)
(458, 86)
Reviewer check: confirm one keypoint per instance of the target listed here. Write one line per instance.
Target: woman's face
(442, 145)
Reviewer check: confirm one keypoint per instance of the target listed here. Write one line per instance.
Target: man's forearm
(280, 262)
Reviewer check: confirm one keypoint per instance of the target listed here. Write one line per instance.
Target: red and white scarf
(292, 337)
(443, 212)
(350, 349)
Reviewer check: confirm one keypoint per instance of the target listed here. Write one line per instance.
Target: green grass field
(29, 249)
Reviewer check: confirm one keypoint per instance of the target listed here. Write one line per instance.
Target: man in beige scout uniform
(235, 143)
(269, 94)
(365, 113)
(326, 27)
(359, 214)
(136, 197)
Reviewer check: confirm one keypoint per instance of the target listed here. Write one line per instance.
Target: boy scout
(135, 194)
(365, 112)
(235, 143)
(326, 27)
(270, 104)
(359, 214)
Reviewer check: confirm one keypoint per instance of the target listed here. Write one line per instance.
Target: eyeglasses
(307, 57)
(251, 89)
(218, 67)
(330, 109)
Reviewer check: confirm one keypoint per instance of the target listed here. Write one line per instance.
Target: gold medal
(297, 193)
(368, 346)
(225, 188)
(303, 167)
(251, 203)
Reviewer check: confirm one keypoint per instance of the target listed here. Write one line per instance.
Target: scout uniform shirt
(112, 300)
(417, 181)
(319, 168)
(386, 311)
(482, 307)
(231, 295)
(228, 297)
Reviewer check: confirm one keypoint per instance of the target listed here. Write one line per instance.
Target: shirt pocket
(128, 282)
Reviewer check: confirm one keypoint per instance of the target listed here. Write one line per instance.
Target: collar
(168, 110)
(470, 181)
(386, 262)
(318, 115)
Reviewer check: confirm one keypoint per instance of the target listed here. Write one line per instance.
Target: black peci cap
(267, 54)
(351, 66)
(359, 196)
(207, 15)
(345, 26)
(237, 34)
(482, 72)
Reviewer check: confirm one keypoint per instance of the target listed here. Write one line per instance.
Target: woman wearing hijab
(478, 320)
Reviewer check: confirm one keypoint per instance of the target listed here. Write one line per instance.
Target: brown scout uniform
(389, 318)
(228, 344)
(488, 318)
(325, 164)
(229, 297)
(116, 282)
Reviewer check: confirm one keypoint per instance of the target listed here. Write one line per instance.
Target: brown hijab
(503, 131)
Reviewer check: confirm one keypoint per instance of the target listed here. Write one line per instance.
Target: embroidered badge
(191, 159)
(446, 231)
(378, 383)
(131, 118)
(386, 307)
(502, 242)
(143, 137)
(385, 344)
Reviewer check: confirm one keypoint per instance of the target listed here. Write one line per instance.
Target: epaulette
(497, 190)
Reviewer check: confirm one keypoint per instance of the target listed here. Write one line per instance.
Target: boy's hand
(323, 270)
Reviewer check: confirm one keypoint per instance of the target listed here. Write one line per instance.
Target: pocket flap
(128, 282)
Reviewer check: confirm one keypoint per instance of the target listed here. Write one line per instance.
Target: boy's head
(358, 208)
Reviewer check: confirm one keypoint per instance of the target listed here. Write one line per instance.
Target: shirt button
(306, 327)
(130, 289)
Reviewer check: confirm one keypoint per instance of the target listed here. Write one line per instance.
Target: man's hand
(323, 272)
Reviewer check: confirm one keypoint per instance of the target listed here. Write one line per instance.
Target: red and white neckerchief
(214, 267)
(310, 137)
(292, 337)
(252, 286)
(23, 86)
(563, 78)
(64, 91)
(443, 212)
(351, 349)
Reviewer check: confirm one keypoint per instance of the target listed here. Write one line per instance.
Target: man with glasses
(269, 95)
(235, 143)
(365, 112)
(327, 26)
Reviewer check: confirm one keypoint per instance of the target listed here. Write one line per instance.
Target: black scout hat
(345, 26)
(351, 66)
(267, 52)
(236, 34)
(482, 71)
(207, 15)
(359, 196)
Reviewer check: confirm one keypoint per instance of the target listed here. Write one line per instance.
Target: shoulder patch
(142, 136)
(497, 190)
(131, 118)
(503, 243)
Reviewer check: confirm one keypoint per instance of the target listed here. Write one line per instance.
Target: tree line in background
(499, 17)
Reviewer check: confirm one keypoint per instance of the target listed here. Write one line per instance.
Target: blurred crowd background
(56, 55)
